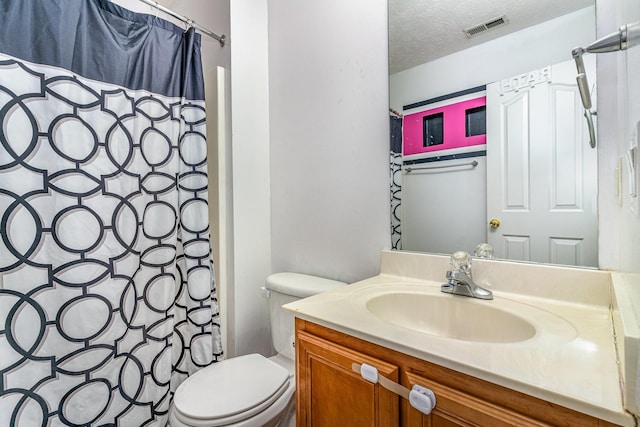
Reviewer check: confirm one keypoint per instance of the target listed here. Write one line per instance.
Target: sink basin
(451, 316)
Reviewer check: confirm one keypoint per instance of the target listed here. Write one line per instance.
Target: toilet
(251, 390)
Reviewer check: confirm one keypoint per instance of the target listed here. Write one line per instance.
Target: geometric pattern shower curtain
(395, 169)
(107, 297)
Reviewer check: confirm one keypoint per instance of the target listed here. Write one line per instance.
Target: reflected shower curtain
(107, 297)
(395, 168)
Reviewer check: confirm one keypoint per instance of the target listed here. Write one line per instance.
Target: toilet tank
(285, 288)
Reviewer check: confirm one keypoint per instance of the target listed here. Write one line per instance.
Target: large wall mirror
(526, 179)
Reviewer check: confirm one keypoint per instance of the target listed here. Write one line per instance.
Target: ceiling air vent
(481, 28)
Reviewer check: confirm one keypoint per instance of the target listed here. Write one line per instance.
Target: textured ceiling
(423, 30)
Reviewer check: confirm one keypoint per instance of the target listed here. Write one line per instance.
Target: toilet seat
(230, 391)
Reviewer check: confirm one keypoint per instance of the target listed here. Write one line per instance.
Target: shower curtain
(107, 297)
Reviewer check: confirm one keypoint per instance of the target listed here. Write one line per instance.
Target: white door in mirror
(541, 173)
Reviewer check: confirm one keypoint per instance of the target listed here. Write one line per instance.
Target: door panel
(330, 394)
(516, 137)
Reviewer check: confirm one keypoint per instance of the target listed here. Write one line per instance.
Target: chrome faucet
(460, 281)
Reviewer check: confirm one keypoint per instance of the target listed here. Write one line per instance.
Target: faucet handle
(484, 250)
(461, 261)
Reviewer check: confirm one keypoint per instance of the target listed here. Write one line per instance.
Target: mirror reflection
(488, 136)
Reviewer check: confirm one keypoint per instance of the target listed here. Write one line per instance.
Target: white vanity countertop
(573, 363)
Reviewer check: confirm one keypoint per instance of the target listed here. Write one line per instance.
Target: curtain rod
(221, 39)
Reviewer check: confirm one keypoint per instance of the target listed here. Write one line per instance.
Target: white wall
(251, 169)
(430, 221)
(618, 110)
(329, 136)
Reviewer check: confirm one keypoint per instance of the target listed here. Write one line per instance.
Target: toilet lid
(230, 391)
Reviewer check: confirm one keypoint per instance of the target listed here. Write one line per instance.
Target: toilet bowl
(251, 390)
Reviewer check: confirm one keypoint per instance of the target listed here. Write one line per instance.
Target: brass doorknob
(494, 223)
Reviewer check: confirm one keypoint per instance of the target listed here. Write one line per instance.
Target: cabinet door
(330, 394)
(456, 408)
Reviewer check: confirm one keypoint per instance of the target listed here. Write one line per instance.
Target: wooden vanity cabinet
(330, 394)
